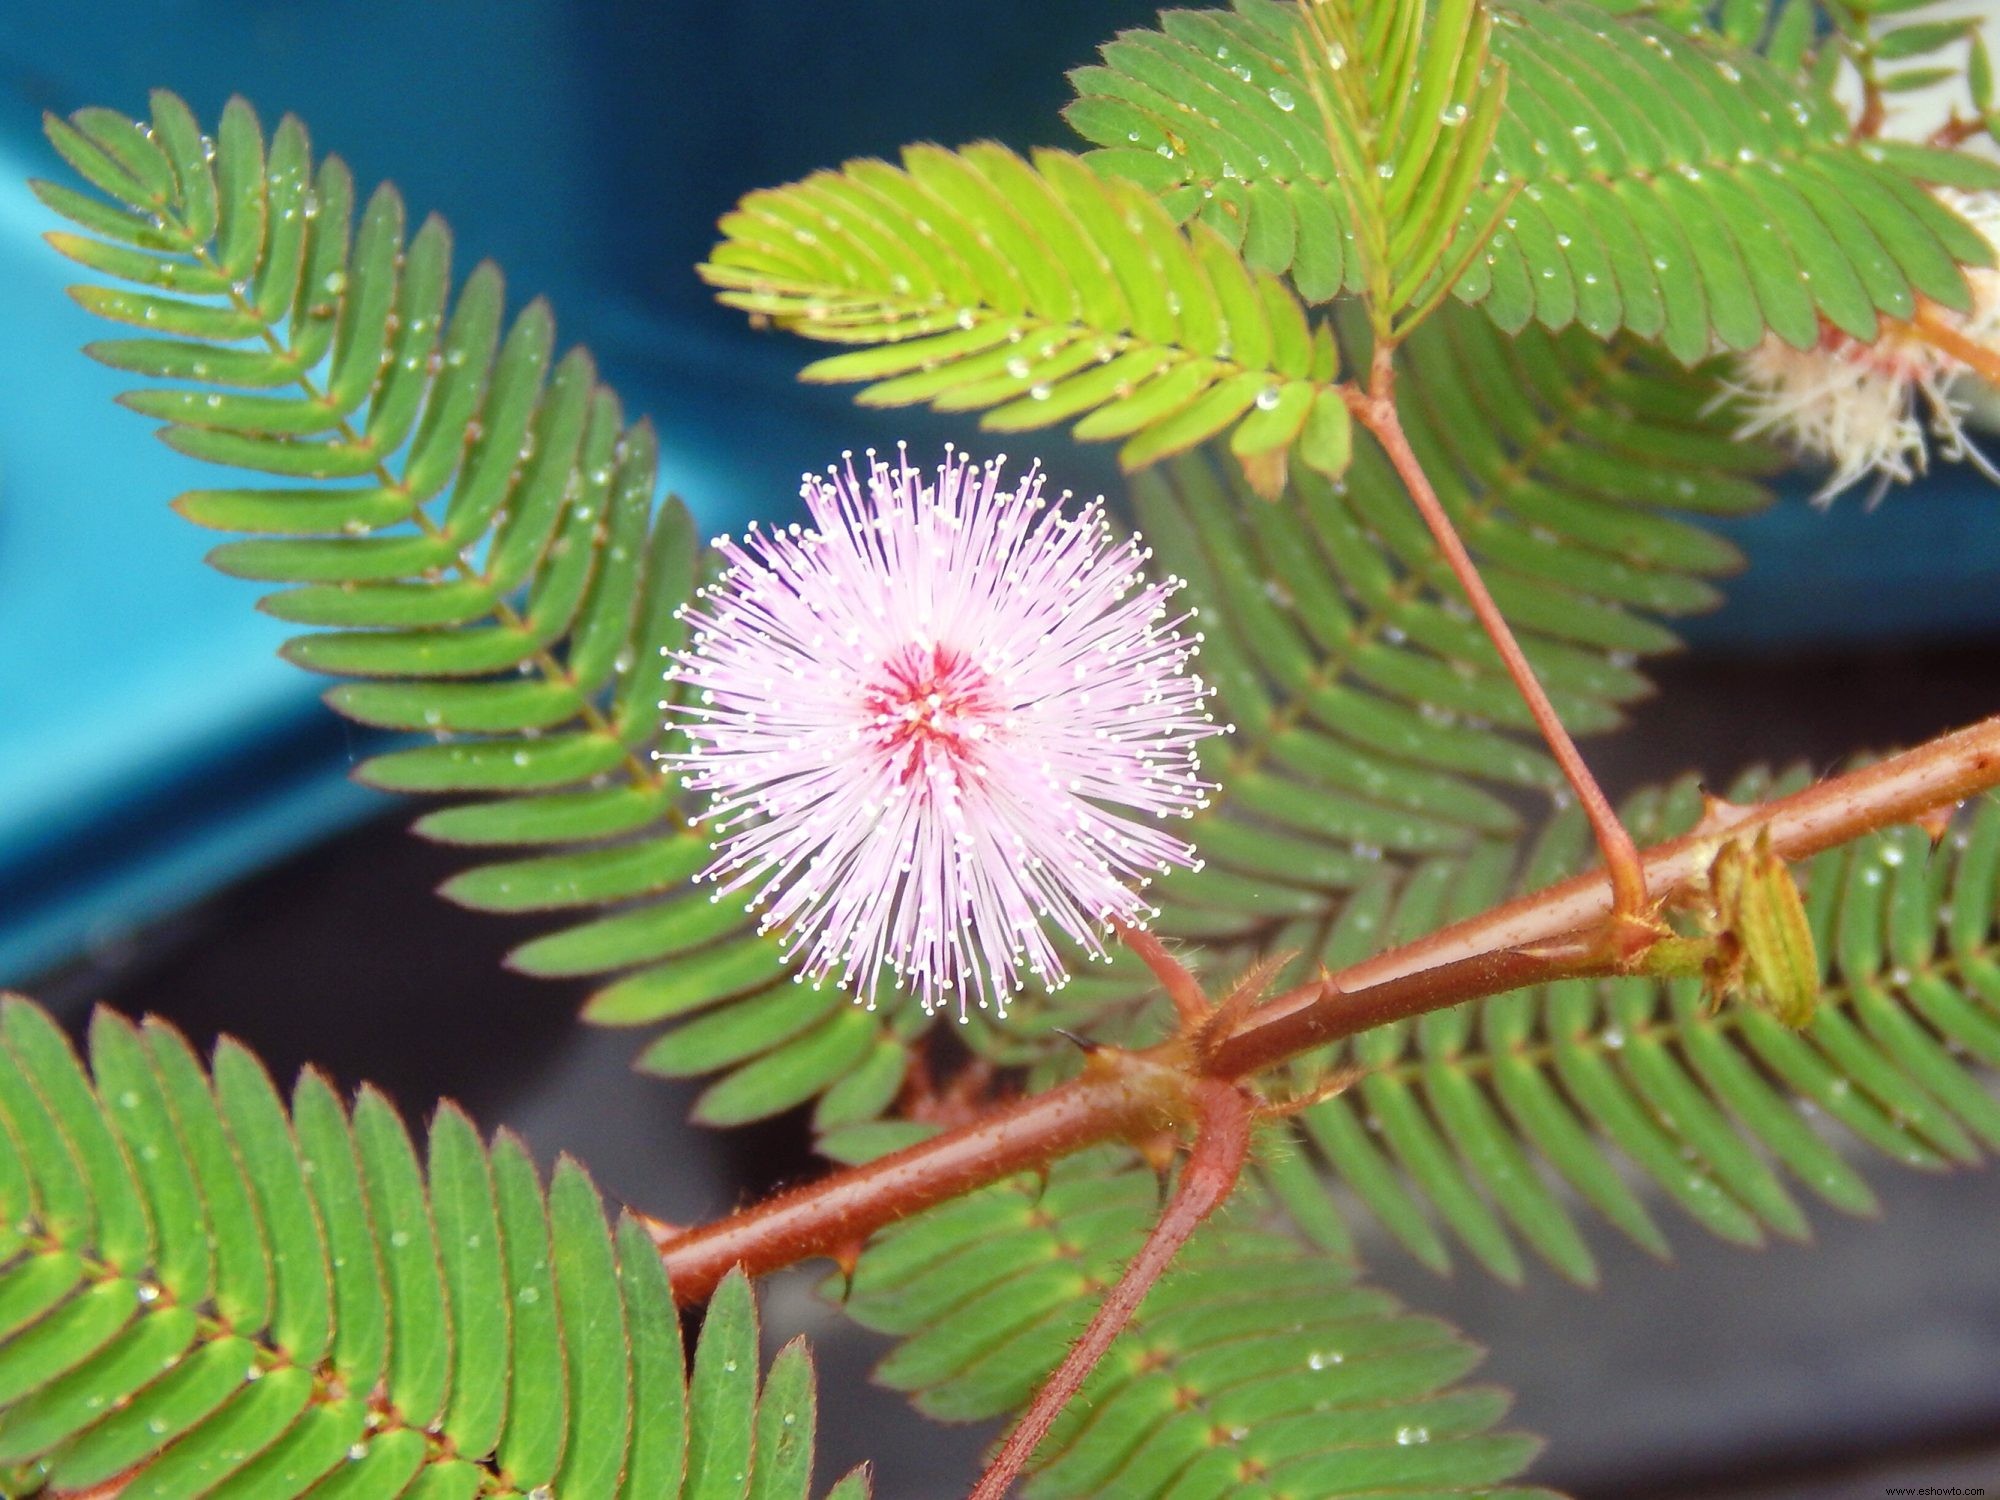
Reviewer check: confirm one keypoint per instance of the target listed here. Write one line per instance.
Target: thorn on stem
(661, 1231)
(1718, 815)
(845, 1259)
(1937, 822)
(1160, 1151)
(1041, 1176)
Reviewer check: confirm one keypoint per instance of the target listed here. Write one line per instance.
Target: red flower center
(928, 702)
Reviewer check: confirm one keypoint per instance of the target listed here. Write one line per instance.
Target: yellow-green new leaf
(1030, 289)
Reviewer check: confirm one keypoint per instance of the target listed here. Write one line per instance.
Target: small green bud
(1764, 943)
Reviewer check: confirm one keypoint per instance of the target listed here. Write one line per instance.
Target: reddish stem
(1930, 325)
(843, 1209)
(1220, 1148)
(1131, 1095)
(1376, 411)
(1905, 788)
(1181, 986)
(1957, 131)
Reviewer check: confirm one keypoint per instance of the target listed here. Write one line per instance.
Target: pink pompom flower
(935, 729)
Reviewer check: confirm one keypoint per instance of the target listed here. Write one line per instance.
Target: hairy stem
(1221, 1145)
(1547, 935)
(1930, 325)
(1905, 788)
(1957, 131)
(1376, 410)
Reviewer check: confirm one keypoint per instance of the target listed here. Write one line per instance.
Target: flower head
(1864, 407)
(937, 725)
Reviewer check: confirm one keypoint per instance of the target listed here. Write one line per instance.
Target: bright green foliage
(195, 1279)
(1037, 292)
(214, 1298)
(471, 520)
(1678, 188)
(1373, 723)
(1409, 102)
(1254, 1370)
(1491, 1124)
(1469, 1119)
(1894, 52)
(1900, 45)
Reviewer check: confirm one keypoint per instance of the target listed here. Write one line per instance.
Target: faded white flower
(1880, 408)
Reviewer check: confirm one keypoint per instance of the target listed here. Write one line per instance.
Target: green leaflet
(1468, 1116)
(1709, 1106)
(1485, 1126)
(465, 517)
(562, 746)
(1661, 183)
(115, 1364)
(1034, 291)
(1374, 730)
(1253, 1369)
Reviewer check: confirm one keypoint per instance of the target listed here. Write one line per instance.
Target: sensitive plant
(1430, 334)
(918, 724)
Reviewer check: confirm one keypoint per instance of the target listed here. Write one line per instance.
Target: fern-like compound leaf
(1494, 1127)
(1255, 1369)
(1374, 726)
(205, 1292)
(1665, 184)
(466, 520)
(1410, 101)
(1492, 1124)
(1037, 292)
